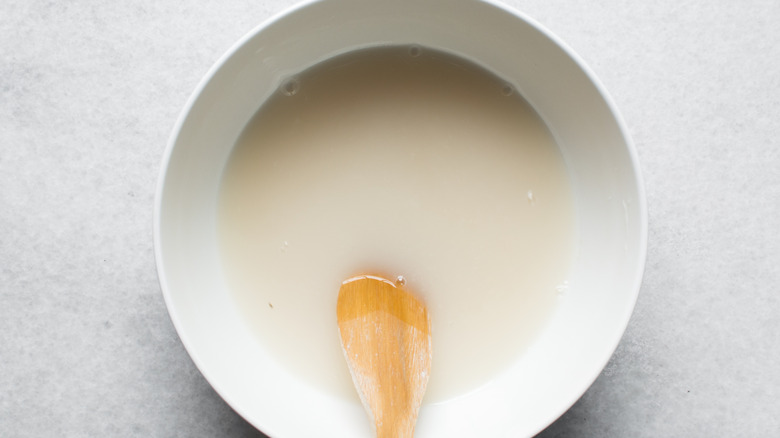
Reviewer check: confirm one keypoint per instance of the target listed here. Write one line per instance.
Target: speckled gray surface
(90, 90)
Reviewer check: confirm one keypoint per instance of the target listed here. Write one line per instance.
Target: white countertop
(89, 92)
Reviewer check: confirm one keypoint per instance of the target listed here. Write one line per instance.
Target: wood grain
(386, 337)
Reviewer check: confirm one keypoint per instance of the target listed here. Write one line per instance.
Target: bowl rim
(641, 200)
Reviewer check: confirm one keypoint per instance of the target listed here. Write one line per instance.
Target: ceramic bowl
(611, 222)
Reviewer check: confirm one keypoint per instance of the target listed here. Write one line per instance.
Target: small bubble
(562, 288)
(291, 87)
(507, 90)
(415, 51)
(400, 280)
(531, 198)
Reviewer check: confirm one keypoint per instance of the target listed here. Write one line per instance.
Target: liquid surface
(397, 162)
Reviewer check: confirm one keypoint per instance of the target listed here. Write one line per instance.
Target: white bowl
(609, 201)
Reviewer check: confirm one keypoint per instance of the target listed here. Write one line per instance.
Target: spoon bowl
(386, 337)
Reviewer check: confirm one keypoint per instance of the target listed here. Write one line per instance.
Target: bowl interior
(610, 215)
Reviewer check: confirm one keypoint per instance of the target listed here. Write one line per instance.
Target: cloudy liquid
(397, 161)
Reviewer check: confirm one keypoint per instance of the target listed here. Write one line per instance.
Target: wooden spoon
(386, 337)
